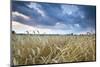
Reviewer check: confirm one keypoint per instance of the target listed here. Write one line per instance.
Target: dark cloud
(48, 15)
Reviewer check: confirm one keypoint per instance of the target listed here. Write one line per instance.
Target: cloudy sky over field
(52, 18)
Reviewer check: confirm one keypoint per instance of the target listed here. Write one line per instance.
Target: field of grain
(35, 49)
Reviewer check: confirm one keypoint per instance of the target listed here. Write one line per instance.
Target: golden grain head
(52, 49)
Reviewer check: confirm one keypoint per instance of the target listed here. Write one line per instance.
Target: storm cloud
(65, 17)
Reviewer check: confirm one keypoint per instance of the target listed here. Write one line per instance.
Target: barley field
(35, 49)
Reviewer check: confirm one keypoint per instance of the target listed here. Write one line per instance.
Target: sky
(52, 18)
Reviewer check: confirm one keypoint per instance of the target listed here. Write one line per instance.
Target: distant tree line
(38, 33)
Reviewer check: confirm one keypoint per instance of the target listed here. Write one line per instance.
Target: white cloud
(37, 7)
(14, 14)
(60, 25)
(82, 16)
(69, 9)
(77, 25)
(21, 28)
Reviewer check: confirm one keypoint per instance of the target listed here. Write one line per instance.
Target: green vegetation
(31, 49)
